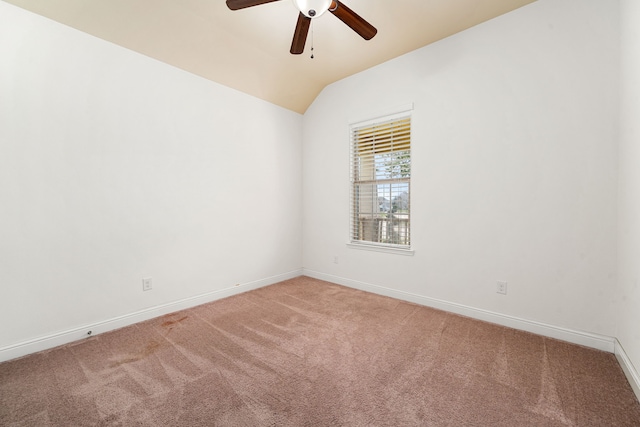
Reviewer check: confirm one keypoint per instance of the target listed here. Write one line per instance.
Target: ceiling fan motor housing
(312, 8)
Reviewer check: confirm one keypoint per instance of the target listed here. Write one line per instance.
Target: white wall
(115, 167)
(514, 167)
(628, 332)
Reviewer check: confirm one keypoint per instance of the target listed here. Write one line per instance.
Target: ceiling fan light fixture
(312, 8)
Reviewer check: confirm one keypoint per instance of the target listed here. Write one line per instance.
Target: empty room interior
(142, 176)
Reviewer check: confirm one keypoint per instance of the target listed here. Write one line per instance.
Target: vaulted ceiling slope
(248, 49)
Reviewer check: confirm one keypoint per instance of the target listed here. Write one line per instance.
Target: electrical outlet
(501, 287)
(146, 284)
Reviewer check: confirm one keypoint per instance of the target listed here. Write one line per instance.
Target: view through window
(380, 182)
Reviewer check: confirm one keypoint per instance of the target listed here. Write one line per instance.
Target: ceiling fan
(310, 9)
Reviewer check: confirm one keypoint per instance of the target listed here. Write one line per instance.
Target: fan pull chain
(311, 39)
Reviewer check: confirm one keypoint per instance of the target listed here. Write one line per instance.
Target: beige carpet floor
(310, 353)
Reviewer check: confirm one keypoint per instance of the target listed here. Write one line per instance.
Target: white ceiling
(248, 49)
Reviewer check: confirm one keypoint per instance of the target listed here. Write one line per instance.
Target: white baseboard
(628, 368)
(600, 342)
(65, 337)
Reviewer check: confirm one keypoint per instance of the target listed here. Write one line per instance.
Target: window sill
(381, 248)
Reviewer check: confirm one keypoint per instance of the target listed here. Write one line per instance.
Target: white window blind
(380, 182)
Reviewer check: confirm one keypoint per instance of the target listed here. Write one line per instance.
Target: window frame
(396, 115)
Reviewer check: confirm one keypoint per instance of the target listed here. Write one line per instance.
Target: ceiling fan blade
(241, 4)
(300, 35)
(353, 20)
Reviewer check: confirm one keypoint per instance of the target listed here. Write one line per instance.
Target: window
(380, 182)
